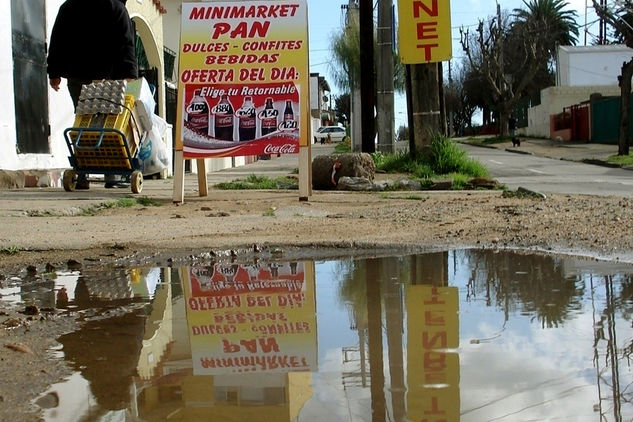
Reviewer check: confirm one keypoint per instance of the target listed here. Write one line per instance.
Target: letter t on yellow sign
(424, 31)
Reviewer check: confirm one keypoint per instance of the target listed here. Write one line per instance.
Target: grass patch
(260, 182)
(446, 160)
(621, 160)
(343, 147)
(10, 250)
(269, 213)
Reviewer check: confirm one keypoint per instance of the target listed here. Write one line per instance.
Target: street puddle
(466, 335)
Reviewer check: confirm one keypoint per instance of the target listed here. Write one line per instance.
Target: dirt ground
(276, 223)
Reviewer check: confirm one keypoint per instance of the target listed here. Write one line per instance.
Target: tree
(617, 18)
(459, 106)
(342, 107)
(509, 55)
(549, 17)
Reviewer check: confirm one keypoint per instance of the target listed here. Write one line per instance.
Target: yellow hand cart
(104, 143)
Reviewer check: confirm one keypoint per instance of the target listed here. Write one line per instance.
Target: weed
(9, 250)
(260, 182)
(621, 160)
(269, 213)
(446, 160)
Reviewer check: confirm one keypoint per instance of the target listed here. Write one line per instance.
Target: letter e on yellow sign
(424, 31)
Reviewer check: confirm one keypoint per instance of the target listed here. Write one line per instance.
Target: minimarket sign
(424, 31)
(243, 78)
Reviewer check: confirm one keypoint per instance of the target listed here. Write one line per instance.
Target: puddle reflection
(452, 336)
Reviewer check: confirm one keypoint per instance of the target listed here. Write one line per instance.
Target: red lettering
(425, 29)
(434, 361)
(220, 28)
(438, 341)
(419, 5)
(434, 318)
(435, 408)
(435, 294)
(230, 347)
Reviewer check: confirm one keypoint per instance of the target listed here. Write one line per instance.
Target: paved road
(552, 176)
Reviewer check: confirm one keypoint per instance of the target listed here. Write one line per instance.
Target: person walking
(91, 40)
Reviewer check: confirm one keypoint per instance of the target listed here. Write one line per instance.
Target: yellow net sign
(424, 31)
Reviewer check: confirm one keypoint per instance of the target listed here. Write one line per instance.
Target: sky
(326, 19)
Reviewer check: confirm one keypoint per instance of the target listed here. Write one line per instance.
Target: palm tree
(548, 19)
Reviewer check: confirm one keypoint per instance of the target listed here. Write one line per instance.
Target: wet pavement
(463, 335)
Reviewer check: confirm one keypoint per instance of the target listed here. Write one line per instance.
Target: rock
(355, 184)
(19, 347)
(31, 310)
(442, 185)
(482, 183)
(48, 401)
(406, 184)
(328, 169)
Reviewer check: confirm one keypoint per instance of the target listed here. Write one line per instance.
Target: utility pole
(354, 95)
(384, 97)
(367, 91)
(425, 106)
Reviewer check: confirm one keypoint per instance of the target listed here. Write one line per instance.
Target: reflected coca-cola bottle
(198, 113)
(246, 118)
(224, 119)
(268, 117)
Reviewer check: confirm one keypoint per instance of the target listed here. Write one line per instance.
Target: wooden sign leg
(179, 177)
(201, 164)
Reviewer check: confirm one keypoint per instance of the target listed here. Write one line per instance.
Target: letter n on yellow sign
(424, 31)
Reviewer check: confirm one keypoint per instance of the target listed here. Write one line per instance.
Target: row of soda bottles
(198, 114)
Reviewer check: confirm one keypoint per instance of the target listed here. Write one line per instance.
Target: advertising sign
(243, 86)
(432, 358)
(251, 319)
(424, 31)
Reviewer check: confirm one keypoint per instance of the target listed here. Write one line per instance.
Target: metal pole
(367, 91)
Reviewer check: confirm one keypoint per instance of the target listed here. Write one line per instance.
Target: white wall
(554, 99)
(61, 113)
(591, 65)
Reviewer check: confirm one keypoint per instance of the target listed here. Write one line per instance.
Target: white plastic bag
(153, 152)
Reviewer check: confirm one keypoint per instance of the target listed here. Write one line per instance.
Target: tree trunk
(504, 117)
(625, 107)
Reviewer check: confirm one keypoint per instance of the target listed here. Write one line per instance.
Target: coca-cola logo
(288, 125)
(280, 149)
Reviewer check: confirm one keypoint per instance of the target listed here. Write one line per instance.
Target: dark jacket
(93, 39)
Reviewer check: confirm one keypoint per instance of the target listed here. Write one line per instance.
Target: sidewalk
(593, 153)
(588, 152)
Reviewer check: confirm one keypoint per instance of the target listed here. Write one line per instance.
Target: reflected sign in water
(451, 336)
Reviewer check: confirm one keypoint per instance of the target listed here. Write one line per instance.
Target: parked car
(329, 134)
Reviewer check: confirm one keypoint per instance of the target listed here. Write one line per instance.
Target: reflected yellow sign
(433, 368)
(424, 31)
(251, 319)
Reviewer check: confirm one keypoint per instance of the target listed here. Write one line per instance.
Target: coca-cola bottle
(198, 113)
(268, 117)
(246, 118)
(224, 119)
(289, 115)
